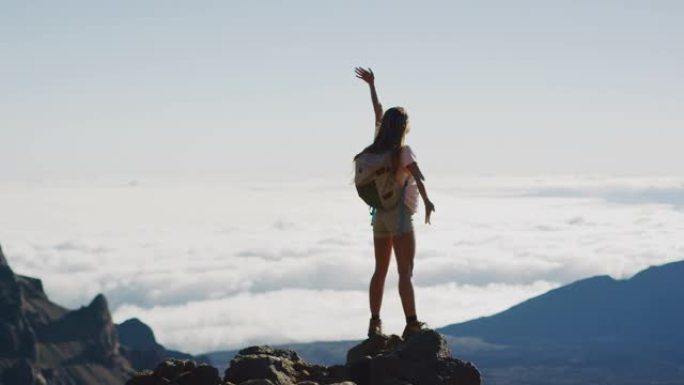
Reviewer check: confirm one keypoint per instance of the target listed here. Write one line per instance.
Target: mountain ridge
(593, 308)
(42, 342)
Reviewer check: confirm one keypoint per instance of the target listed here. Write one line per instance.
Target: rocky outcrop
(92, 327)
(17, 337)
(41, 342)
(423, 359)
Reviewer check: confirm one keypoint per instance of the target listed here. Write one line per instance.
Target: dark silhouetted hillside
(44, 343)
(142, 349)
(646, 310)
(41, 342)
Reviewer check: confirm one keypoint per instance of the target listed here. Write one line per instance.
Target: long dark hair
(390, 136)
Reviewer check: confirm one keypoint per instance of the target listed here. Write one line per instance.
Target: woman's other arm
(367, 76)
(418, 176)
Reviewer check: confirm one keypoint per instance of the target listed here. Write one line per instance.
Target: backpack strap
(402, 213)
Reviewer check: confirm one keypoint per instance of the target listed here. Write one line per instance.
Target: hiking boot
(412, 328)
(374, 328)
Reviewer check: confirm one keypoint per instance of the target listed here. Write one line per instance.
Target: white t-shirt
(406, 157)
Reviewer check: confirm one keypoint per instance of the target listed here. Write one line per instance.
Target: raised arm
(367, 76)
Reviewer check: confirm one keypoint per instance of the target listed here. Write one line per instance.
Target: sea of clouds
(213, 263)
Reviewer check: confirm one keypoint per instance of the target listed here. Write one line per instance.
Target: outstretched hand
(365, 74)
(429, 209)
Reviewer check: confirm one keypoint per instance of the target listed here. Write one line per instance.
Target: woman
(393, 228)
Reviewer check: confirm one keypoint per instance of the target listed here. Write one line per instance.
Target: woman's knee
(405, 275)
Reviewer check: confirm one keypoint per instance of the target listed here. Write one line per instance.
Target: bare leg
(383, 252)
(404, 251)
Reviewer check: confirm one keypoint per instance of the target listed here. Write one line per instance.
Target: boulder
(373, 346)
(423, 359)
(170, 369)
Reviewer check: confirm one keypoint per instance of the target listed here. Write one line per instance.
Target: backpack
(375, 181)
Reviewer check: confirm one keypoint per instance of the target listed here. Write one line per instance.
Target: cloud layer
(213, 264)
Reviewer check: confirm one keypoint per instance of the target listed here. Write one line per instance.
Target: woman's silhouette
(393, 228)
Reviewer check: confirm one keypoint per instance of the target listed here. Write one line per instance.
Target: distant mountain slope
(597, 330)
(142, 349)
(647, 309)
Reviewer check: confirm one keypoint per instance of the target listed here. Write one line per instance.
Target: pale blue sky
(266, 89)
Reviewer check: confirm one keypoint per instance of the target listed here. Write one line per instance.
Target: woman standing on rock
(393, 228)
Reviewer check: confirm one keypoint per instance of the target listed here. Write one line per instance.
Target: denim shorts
(392, 222)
